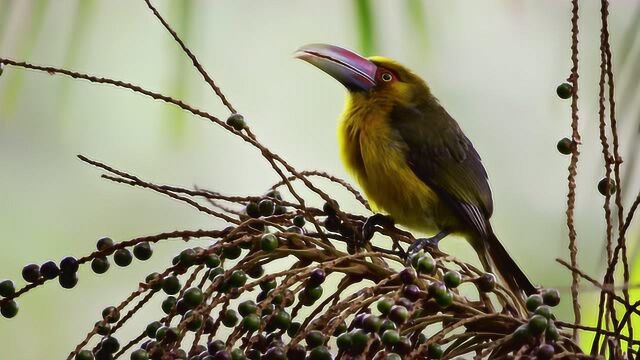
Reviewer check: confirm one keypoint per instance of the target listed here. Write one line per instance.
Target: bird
(414, 163)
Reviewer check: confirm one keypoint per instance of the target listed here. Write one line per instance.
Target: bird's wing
(441, 155)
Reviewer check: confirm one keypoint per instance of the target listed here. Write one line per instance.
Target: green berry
(231, 252)
(426, 264)
(194, 320)
(359, 339)
(537, 324)
(342, 328)
(253, 210)
(452, 279)
(552, 333)
(313, 293)
(84, 355)
(236, 121)
(111, 314)
(104, 243)
(168, 304)
(565, 146)
(212, 261)
(522, 333)
(551, 297)
(434, 351)
(533, 301)
(268, 242)
(230, 318)
(314, 338)
(299, 221)
(140, 354)
(320, 353)
(152, 328)
(193, 297)
(238, 354)
(238, 278)
(187, 257)
(215, 272)
(444, 299)
(268, 285)
(122, 257)
(251, 322)
(344, 341)
(171, 285)
(247, 307)
(282, 320)
(9, 309)
(564, 90)
(293, 329)
(390, 337)
(100, 265)
(142, 251)
(545, 311)
(384, 306)
(393, 356)
(154, 280)
(7, 288)
(398, 314)
(266, 207)
(604, 183)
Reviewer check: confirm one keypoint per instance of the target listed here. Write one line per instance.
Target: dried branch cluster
(287, 279)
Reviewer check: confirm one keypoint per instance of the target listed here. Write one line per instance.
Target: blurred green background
(494, 64)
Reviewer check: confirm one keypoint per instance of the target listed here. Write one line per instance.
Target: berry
(109, 344)
(7, 288)
(110, 314)
(282, 320)
(320, 353)
(299, 221)
(316, 277)
(100, 265)
(266, 207)
(256, 271)
(411, 292)
(9, 309)
(140, 354)
(437, 289)
(390, 337)
(359, 340)
(268, 285)
(68, 280)
(545, 311)
(236, 121)
(604, 183)
(49, 270)
(268, 242)
(551, 297)
(486, 282)
(426, 264)
(384, 306)
(215, 346)
(371, 323)
(231, 252)
(238, 278)
(122, 257)
(247, 307)
(168, 304)
(314, 338)
(230, 318)
(545, 352)
(332, 224)
(452, 279)
(31, 273)
(69, 265)
(187, 257)
(537, 324)
(522, 333)
(387, 325)
(444, 299)
(193, 297)
(194, 321)
(251, 322)
(84, 355)
(297, 352)
(398, 314)
(143, 251)
(280, 210)
(434, 351)
(344, 341)
(552, 333)
(313, 293)
(564, 90)
(102, 328)
(533, 301)
(212, 261)
(154, 280)
(408, 275)
(152, 328)
(565, 146)
(171, 285)
(104, 243)
(253, 210)
(237, 354)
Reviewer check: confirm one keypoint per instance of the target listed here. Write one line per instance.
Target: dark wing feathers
(444, 158)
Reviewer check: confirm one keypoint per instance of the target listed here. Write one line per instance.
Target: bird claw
(369, 227)
(423, 243)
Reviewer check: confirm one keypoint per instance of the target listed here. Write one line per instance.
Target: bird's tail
(495, 257)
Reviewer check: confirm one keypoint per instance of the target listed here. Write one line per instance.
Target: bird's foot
(369, 227)
(424, 243)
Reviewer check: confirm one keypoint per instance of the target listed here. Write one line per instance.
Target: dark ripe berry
(444, 299)
(194, 321)
(7, 288)
(297, 352)
(346, 230)
(253, 210)
(274, 194)
(100, 265)
(256, 271)
(247, 307)
(266, 207)
(384, 306)
(154, 280)
(275, 353)
(102, 328)
(293, 329)
(344, 341)
(230, 318)
(9, 309)
(426, 264)
(222, 355)
(545, 311)
(215, 272)
(537, 324)
(238, 278)
(231, 252)
(122, 257)
(193, 297)
(268, 242)
(403, 346)
(110, 314)
(182, 307)
(172, 334)
(104, 243)
(314, 338)
(103, 355)
(254, 354)
(251, 322)
(110, 344)
(236, 121)
(280, 210)
(551, 333)
(214, 346)
(329, 209)
(390, 337)
(142, 251)
(564, 90)
(299, 221)
(607, 183)
(411, 292)
(403, 301)
(332, 224)
(565, 146)
(398, 314)
(320, 353)
(187, 257)
(486, 282)
(434, 351)
(152, 328)
(551, 297)
(371, 323)
(533, 301)
(140, 354)
(208, 325)
(545, 352)
(282, 320)
(31, 273)
(212, 261)
(49, 270)
(316, 277)
(408, 275)
(238, 354)
(357, 321)
(68, 280)
(84, 355)
(171, 285)
(69, 264)
(452, 279)
(168, 304)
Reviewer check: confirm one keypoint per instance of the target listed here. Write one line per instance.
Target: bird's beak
(355, 72)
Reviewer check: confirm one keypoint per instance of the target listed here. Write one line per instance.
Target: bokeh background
(494, 64)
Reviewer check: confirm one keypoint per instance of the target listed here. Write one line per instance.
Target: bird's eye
(387, 77)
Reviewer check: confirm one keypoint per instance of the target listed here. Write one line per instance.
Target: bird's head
(376, 77)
